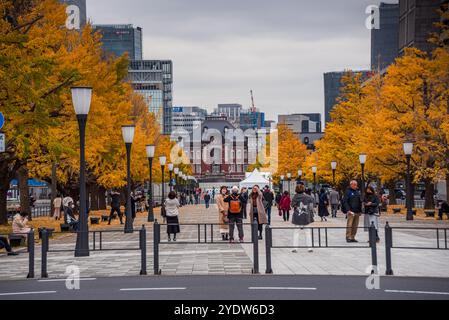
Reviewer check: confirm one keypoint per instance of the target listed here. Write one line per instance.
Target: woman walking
(57, 204)
(372, 214)
(172, 214)
(257, 209)
(223, 209)
(323, 205)
(285, 205)
(302, 204)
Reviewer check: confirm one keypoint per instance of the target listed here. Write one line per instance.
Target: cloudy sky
(221, 49)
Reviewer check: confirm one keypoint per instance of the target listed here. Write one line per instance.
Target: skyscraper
(120, 39)
(417, 19)
(251, 120)
(332, 87)
(153, 79)
(385, 40)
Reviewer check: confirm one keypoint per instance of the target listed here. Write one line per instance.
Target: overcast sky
(221, 49)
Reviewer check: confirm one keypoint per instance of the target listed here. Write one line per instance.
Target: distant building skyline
(119, 39)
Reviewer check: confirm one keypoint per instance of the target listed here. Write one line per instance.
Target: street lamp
(282, 184)
(363, 158)
(176, 172)
(334, 169)
(163, 162)
(289, 177)
(128, 137)
(170, 170)
(81, 98)
(151, 149)
(314, 171)
(408, 150)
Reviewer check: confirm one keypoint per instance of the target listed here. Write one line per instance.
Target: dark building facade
(79, 6)
(120, 39)
(251, 120)
(417, 19)
(385, 41)
(332, 87)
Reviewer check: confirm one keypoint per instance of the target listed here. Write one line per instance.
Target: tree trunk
(430, 191)
(94, 197)
(24, 191)
(391, 185)
(102, 205)
(54, 184)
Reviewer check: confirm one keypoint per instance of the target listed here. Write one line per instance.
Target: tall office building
(385, 40)
(232, 111)
(153, 79)
(417, 23)
(304, 127)
(251, 120)
(332, 88)
(119, 39)
(79, 7)
(184, 118)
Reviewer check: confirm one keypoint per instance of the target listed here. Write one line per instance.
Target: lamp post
(81, 98)
(300, 176)
(128, 137)
(314, 171)
(363, 158)
(289, 177)
(334, 170)
(176, 172)
(170, 170)
(151, 149)
(282, 184)
(408, 150)
(163, 162)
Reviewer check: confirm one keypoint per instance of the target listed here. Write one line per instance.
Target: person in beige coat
(223, 209)
(257, 210)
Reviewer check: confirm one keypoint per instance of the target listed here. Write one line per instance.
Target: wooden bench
(430, 213)
(397, 210)
(65, 227)
(94, 220)
(17, 240)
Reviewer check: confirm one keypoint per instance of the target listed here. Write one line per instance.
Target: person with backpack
(286, 206)
(235, 214)
(303, 206)
(172, 214)
(223, 213)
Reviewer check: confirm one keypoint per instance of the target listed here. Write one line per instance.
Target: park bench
(397, 210)
(430, 213)
(49, 232)
(16, 240)
(94, 220)
(104, 218)
(65, 227)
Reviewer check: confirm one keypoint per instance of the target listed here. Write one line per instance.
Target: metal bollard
(373, 245)
(268, 245)
(44, 273)
(143, 250)
(156, 241)
(388, 247)
(31, 254)
(255, 239)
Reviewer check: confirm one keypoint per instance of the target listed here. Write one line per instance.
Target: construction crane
(253, 106)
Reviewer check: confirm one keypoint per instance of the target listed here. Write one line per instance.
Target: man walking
(115, 207)
(268, 199)
(207, 200)
(352, 206)
(235, 214)
(334, 198)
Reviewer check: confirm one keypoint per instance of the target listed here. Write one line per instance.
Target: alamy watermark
(73, 280)
(373, 281)
(373, 20)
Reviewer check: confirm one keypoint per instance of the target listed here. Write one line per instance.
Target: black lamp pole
(129, 219)
(150, 193)
(409, 192)
(82, 241)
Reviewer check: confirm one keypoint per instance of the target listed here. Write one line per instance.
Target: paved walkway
(222, 258)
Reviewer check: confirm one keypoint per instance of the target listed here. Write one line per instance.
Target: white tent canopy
(253, 179)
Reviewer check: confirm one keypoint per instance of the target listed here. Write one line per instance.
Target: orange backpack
(235, 206)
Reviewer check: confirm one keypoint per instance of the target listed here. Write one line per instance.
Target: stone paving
(187, 257)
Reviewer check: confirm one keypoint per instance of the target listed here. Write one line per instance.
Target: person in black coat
(352, 206)
(244, 197)
(115, 207)
(443, 210)
(207, 200)
(323, 204)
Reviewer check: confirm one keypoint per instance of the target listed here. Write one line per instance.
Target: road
(229, 288)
